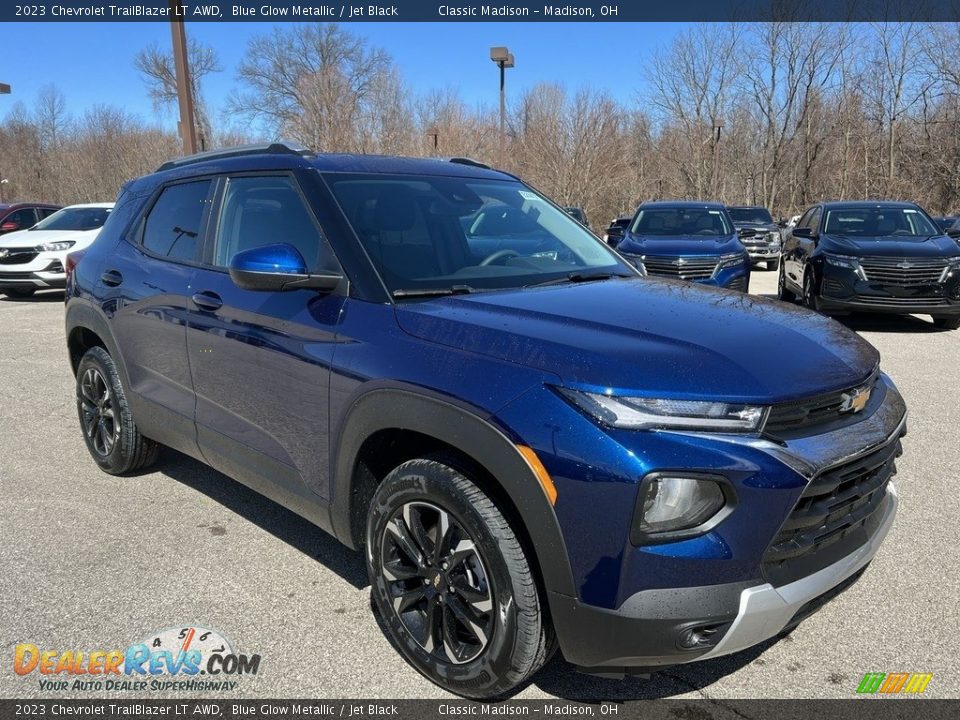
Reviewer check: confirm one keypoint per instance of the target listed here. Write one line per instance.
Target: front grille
(837, 512)
(808, 414)
(899, 301)
(685, 268)
(17, 256)
(904, 271)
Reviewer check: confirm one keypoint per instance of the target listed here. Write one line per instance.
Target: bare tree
(157, 68)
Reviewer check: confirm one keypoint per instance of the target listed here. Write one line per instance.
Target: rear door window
(173, 226)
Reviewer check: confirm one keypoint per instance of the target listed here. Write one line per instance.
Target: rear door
(261, 360)
(145, 286)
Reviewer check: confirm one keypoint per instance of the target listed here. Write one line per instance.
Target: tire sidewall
(486, 674)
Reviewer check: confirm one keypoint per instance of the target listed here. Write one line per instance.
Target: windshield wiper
(434, 292)
(578, 277)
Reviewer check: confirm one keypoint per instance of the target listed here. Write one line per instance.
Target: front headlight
(846, 261)
(636, 413)
(55, 246)
(672, 505)
(731, 260)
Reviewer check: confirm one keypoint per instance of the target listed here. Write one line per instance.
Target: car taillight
(73, 259)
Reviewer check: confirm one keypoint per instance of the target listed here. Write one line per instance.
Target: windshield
(81, 218)
(879, 222)
(751, 215)
(681, 221)
(434, 233)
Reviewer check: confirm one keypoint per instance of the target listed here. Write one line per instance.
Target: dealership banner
(465, 11)
(456, 709)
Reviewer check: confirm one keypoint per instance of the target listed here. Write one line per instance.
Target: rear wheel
(947, 323)
(452, 583)
(108, 427)
(782, 292)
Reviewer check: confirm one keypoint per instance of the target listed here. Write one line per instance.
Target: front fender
(476, 437)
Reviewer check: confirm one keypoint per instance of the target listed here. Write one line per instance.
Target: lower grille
(836, 513)
(899, 301)
(17, 256)
(685, 268)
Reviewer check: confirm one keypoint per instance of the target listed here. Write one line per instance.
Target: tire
(810, 299)
(108, 428)
(773, 264)
(19, 292)
(489, 632)
(782, 292)
(947, 323)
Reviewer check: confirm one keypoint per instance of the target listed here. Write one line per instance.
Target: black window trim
(208, 251)
(138, 226)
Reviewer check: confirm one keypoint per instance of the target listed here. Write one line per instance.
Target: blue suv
(535, 446)
(693, 241)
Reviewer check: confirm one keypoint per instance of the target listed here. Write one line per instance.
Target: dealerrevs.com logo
(180, 658)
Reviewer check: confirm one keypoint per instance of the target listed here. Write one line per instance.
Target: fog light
(671, 507)
(702, 636)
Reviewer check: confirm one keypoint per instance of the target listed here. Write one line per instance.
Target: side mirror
(803, 232)
(277, 268)
(9, 226)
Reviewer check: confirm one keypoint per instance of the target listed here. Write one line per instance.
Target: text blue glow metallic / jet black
(536, 446)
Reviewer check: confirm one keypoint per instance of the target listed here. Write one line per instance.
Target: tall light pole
(4, 90)
(188, 130)
(504, 59)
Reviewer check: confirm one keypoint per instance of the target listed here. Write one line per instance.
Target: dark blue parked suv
(693, 241)
(535, 446)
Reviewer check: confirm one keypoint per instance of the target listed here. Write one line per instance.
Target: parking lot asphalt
(94, 562)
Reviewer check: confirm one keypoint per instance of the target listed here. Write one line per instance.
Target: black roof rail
(279, 148)
(468, 161)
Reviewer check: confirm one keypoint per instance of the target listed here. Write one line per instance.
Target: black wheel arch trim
(385, 408)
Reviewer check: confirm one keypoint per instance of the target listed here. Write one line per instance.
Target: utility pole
(188, 130)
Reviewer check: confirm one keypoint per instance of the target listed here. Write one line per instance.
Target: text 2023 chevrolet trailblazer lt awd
(535, 446)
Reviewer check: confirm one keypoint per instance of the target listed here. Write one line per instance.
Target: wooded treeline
(778, 114)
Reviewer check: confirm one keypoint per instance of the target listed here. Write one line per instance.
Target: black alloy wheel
(97, 412)
(437, 582)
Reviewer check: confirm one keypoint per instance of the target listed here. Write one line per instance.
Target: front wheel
(108, 427)
(452, 583)
(810, 299)
(947, 323)
(782, 292)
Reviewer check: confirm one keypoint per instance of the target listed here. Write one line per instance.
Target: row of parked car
(35, 239)
(837, 257)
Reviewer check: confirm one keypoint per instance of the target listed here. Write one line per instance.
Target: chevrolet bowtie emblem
(855, 400)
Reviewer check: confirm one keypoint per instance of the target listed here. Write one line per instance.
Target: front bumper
(45, 271)
(653, 628)
(650, 630)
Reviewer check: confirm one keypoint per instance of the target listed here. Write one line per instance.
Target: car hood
(32, 238)
(896, 246)
(679, 244)
(652, 337)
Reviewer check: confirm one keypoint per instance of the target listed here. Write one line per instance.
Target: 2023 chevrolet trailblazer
(535, 446)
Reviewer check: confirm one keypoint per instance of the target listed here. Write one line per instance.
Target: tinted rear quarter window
(173, 225)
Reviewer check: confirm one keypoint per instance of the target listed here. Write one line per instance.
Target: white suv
(34, 259)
